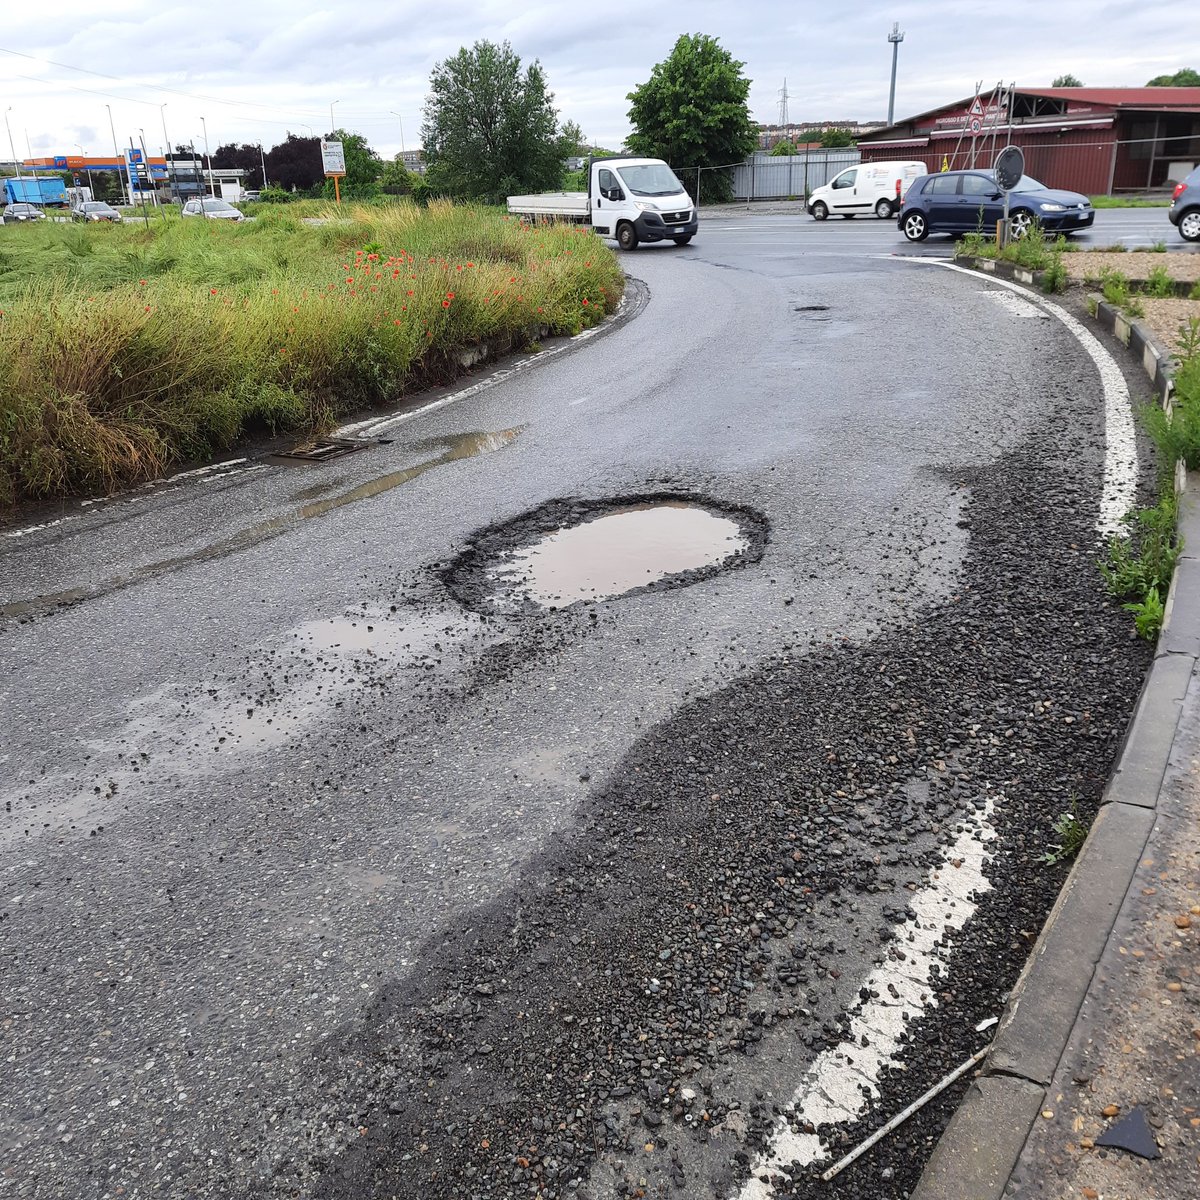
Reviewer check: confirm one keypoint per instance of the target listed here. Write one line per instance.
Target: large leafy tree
(692, 112)
(295, 163)
(1185, 77)
(1067, 80)
(363, 167)
(836, 139)
(245, 156)
(490, 128)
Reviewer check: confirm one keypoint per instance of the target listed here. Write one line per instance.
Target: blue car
(1184, 212)
(962, 201)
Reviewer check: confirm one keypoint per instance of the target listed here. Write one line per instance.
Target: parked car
(249, 197)
(95, 210)
(21, 211)
(211, 206)
(1184, 212)
(875, 187)
(960, 201)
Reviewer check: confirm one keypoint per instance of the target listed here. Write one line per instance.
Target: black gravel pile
(608, 1026)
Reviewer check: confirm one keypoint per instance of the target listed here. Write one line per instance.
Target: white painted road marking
(1120, 444)
(843, 1082)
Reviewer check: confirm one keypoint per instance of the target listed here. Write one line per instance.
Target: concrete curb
(981, 1146)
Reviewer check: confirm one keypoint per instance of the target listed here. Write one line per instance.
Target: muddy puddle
(625, 549)
(568, 552)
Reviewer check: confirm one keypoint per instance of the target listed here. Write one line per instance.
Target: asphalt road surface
(335, 864)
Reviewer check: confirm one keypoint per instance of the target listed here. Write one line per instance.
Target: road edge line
(982, 1145)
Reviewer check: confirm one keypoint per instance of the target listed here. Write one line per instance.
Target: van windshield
(651, 179)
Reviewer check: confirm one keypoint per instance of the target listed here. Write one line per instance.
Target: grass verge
(126, 349)
(1139, 566)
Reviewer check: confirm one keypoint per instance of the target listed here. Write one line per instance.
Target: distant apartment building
(802, 132)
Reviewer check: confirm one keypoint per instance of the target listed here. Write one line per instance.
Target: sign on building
(333, 158)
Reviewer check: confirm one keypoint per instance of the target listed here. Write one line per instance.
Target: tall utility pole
(895, 37)
(401, 120)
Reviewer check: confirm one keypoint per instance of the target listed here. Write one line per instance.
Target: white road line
(1017, 306)
(843, 1082)
(1119, 492)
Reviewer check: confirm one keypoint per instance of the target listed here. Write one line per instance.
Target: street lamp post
(401, 120)
(895, 37)
(208, 156)
(117, 155)
(262, 158)
(171, 186)
(332, 127)
(11, 148)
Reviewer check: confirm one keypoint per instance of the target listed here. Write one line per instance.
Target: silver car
(210, 206)
(21, 211)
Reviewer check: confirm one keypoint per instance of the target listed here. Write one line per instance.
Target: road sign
(1010, 166)
(976, 125)
(333, 158)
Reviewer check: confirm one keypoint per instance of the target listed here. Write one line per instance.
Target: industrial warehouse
(1098, 141)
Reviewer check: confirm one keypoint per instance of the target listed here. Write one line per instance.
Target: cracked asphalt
(317, 881)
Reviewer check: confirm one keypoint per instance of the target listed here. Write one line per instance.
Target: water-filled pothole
(569, 552)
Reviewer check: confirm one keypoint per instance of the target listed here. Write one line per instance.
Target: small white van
(874, 187)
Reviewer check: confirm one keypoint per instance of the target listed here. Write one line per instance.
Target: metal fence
(789, 177)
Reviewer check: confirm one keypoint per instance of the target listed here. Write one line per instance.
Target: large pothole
(575, 551)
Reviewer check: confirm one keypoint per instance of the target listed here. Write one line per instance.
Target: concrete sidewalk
(1103, 1028)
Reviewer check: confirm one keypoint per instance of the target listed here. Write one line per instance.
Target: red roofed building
(1092, 140)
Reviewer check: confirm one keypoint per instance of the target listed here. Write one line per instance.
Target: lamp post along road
(117, 156)
(11, 148)
(208, 159)
(171, 186)
(895, 37)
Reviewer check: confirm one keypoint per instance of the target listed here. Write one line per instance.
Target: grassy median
(124, 350)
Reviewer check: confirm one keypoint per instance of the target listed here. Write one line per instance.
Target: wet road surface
(338, 860)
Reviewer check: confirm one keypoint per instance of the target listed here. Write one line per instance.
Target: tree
(363, 166)
(1185, 77)
(783, 148)
(245, 156)
(692, 112)
(396, 179)
(490, 129)
(1067, 80)
(295, 163)
(836, 139)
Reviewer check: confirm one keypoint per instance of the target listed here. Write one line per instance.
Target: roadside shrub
(1158, 283)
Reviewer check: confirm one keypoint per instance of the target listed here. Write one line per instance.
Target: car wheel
(627, 237)
(1020, 223)
(683, 241)
(883, 209)
(819, 211)
(915, 226)
(1189, 225)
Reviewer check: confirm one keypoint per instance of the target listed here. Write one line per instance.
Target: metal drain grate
(323, 449)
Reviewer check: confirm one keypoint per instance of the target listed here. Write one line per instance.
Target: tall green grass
(126, 349)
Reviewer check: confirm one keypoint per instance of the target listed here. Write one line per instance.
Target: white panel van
(874, 187)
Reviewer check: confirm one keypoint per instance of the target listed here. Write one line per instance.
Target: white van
(876, 187)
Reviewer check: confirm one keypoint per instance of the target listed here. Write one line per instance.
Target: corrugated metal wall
(765, 178)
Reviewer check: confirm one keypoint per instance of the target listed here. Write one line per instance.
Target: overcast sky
(256, 70)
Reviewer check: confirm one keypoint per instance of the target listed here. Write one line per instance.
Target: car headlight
(642, 206)
(1050, 206)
